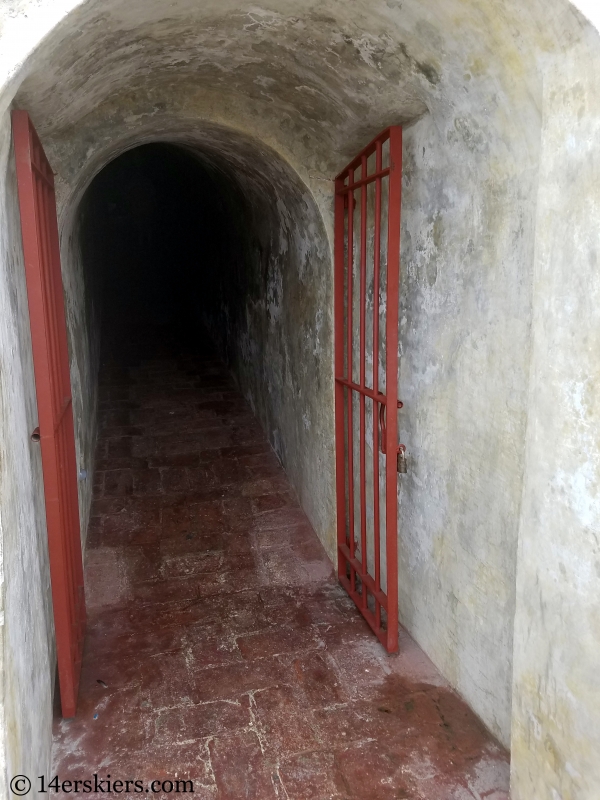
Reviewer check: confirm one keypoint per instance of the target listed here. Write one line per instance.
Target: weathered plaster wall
(27, 631)
(465, 321)
(556, 723)
(82, 307)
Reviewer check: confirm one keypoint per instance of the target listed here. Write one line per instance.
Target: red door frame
(353, 572)
(37, 203)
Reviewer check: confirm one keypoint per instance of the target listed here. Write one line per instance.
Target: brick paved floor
(219, 645)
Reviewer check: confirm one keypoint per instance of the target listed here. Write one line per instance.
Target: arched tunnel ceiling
(314, 79)
(256, 171)
(305, 60)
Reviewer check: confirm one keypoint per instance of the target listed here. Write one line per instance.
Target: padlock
(402, 467)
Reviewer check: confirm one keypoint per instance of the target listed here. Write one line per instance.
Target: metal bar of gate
(377, 396)
(391, 382)
(340, 390)
(376, 269)
(363, 356)
(349, 358)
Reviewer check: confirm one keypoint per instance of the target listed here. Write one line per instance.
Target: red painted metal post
(385, 423)
(35, 182)
(391, 383)
(349, 356)
(376, 278)
(340, 390)
(363, 356)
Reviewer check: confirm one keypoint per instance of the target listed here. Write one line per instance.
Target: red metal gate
(368, 456)
(53, 388)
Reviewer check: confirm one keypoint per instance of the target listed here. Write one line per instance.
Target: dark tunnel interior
(204, 250)
(156, 231)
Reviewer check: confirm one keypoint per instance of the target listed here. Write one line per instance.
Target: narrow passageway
(220, 647)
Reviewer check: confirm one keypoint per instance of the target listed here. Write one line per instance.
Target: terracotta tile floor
(220, 647)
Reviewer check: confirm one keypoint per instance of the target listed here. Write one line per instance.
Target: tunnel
(218, 244)
(156, 232)
(166, 240)
(215, 242)
(195, 149)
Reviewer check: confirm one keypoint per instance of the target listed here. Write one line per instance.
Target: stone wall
(556, 714)
(465, 325)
